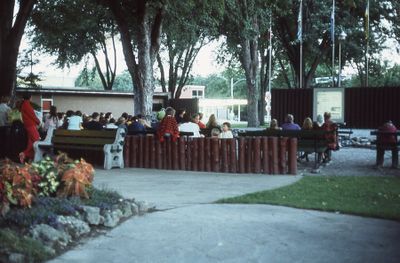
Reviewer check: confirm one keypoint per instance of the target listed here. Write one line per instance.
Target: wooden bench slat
(86, 133)
(82, 140)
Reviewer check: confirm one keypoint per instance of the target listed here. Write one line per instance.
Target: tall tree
(187, 28)
(242, 25)
(11, 31)
(140, 26)
(74, 29)
(349, 16)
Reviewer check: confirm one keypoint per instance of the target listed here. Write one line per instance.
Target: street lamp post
(342, 37)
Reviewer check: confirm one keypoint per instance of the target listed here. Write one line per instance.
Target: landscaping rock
(91, 215)
(111, 218)
(135, 209)
(143, 207)
(50, 236)
(126, 209)
(73, 225)
(16, 258)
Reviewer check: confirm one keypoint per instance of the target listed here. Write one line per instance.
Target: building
(88, 101)
(192, 92)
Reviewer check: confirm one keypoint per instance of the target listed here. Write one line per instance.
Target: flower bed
(47, 206)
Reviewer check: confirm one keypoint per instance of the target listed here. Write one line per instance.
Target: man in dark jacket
(94, 124)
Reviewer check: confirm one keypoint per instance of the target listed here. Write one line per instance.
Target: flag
(366, 21)
(300, 23)
(333, 23)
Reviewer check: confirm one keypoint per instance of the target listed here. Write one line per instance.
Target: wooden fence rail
(268, 155)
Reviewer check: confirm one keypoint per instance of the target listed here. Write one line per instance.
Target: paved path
(193, 230)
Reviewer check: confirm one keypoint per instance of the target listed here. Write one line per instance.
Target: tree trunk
(10, 40)
(249, 61)
(148, 42)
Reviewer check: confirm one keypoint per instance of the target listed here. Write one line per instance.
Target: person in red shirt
(168, 126)
(385, 142)
(200, 123)
(30, 124)
(330, 126)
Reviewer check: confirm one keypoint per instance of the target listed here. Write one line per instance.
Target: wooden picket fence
(268, 155)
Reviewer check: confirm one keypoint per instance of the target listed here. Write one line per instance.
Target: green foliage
(91, 80)
(103, 198)
(48, 173)
(32, 249)
(69, 29)
(366, 196)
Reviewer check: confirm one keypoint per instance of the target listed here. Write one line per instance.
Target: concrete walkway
(193, 230)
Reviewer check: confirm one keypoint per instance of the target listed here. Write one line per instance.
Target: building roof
(82, 91)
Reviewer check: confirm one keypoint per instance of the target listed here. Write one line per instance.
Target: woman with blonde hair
(307, 124)
(274, 125)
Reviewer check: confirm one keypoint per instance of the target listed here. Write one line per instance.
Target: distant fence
(268, 155)
(365, 108)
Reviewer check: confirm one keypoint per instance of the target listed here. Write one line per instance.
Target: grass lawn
(365, 196)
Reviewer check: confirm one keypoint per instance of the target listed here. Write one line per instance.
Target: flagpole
(367, 40)
(270, 53)
(333, 42)
(300, 37)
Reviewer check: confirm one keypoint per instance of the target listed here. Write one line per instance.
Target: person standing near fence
(30, 124)
(387, 141)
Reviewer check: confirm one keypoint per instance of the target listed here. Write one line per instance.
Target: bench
(381, 146)
(111, 142)
(344, 134)
(309, 141)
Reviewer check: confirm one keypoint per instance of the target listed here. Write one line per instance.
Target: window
(197, 93)
(47, 102)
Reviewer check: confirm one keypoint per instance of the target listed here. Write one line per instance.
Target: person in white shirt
(4, 110)
(75, 121)
(51, 119)
(226, 131)
(189, 126)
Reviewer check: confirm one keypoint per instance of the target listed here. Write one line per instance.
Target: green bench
(110, 142)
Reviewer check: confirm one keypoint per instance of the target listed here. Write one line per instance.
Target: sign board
(329, 100)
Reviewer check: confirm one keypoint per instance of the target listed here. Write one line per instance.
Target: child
(226, 131)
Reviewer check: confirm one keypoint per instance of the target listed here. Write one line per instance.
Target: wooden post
(292, 156)
(257, 155)
(273, 143)
(207, 154)
(182, 154)
(153, 155)
(189, 153)
(175, 160)
(224, 156)
(168, 153)
(265, 154)
(127, 146)
(141, 151)
(201, 154)
(282, 155)
(215, 154)
(159, 153)
(195, 155)
(134, 152)
(232, 155)
(249, 153)
(242, 154)
(146, 152)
